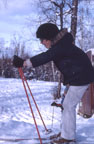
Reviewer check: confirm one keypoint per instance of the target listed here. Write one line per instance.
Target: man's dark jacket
(72, 62)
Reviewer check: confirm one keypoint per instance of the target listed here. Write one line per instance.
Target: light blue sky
(13, 17)
(13, 20)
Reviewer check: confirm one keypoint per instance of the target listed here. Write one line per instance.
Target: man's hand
(17, 61)
(27, 63)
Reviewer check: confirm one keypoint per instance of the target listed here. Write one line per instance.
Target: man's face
(46, 43)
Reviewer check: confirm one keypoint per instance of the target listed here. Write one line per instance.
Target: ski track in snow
(16, 119)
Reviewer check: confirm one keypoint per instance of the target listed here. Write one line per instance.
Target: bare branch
(70, 6)
(55, 4)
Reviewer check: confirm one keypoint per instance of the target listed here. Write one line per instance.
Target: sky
(15, 19)
(13, 16)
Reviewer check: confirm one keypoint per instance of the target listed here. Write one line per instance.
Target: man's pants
(68, 116)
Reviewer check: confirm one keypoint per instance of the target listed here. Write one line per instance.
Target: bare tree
(19, 45)
(85, 24)
(55, 11)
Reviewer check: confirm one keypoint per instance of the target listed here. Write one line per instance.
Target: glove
(17, 61)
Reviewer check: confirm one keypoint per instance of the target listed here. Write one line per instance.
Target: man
(72, 62)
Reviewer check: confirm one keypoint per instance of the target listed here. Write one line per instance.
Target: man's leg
(68, 118)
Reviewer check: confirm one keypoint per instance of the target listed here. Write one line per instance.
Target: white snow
(16, 119)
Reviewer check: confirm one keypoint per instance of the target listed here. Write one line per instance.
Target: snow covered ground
(16, 119)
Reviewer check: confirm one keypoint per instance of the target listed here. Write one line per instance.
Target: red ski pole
(33, 99)
(20, 72)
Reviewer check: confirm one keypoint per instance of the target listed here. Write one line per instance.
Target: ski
(33, 141)
(63, 143)
(13, 139)
(45, 140)
(72, 142)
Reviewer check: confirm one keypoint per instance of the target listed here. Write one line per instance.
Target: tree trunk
(59, 86)
(74, 18)
(53, 71)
